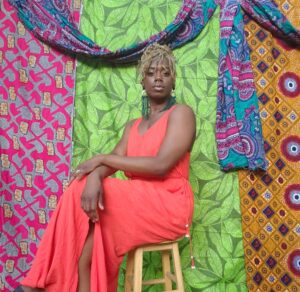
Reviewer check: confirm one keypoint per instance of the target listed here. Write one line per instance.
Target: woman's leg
(28, 289)
(84, 264)
(56, 263)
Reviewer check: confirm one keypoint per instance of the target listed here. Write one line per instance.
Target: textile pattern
(270, 201)
(238, 128)
(107, 97)
(36, 108)
(238, 122)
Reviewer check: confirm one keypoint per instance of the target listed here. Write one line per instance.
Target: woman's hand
(85, 168)
(92, 196)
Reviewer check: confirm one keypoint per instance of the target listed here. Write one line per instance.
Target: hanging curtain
(36, 111)
(51, 21)
(238, 126)
(270, 201)
(266, 13)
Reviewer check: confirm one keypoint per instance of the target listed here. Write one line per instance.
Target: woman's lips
(158, 87)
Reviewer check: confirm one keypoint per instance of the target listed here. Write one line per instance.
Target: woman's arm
(92, 195)
(94, 164)
(179, 139)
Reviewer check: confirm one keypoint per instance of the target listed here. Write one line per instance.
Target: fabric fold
(238, 126)
(267, 14)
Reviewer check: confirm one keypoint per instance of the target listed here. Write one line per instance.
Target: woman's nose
(158, 75)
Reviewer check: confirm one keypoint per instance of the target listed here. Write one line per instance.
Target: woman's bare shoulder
(183, 110)
(129, 124)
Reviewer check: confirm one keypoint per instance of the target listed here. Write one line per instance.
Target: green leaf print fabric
(107, 97)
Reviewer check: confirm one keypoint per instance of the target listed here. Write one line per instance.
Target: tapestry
(270, 201)
(108, 96)
(36, 108)
(238, 127)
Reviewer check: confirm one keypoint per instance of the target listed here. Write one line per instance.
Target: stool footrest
(134, 271)
(158, 248)
(158, 281)
(172, 277)
(153, 281)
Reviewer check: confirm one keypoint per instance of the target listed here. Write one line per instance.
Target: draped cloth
(238, 126)
(36, 108)
(270, 201)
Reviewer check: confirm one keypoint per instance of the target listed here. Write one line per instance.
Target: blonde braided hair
(156, 53)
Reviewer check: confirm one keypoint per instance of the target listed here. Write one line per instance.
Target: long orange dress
(136, 211)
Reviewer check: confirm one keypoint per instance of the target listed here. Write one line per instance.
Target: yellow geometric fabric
(270, 201)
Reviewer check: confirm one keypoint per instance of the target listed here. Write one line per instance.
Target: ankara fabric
(270, 201)
(238, 128)
(37, 96)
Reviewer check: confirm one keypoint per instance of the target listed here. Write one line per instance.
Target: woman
(99, 219)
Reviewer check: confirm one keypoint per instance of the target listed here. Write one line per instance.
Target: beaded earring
(145, 105)
(173, 95)
(171, 101)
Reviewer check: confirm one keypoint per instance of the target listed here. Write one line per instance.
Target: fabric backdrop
(238, 127)
(36, 108)
(271, 200)
(108, 96)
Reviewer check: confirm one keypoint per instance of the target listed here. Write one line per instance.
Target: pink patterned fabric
(36, 108)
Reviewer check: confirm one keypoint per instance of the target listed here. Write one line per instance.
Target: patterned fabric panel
(270, 201)
(107, 97)
(36, 108)
(50, 20)
(267, 14)
(238, 127)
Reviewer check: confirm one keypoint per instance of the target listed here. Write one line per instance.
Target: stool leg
(177, 267)
(165, 255)
(129, 272)
(138, 270)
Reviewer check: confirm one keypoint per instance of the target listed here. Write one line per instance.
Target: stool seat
(134, 267)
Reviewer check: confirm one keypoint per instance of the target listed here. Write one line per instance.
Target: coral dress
(136, 211)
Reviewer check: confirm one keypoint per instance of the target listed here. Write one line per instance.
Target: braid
(156, 52)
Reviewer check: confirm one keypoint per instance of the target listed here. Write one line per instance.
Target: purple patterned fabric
(266, 13)
(51, 22)
(238, 127)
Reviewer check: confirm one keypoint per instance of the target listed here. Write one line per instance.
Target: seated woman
(99, 218)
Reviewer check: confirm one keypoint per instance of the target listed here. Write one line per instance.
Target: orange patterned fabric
(270, 201)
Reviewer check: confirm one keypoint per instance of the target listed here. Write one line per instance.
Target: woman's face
(158, 81)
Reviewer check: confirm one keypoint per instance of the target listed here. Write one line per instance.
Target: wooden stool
(134, 268)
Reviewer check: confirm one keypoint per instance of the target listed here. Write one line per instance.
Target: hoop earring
(145, 105)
